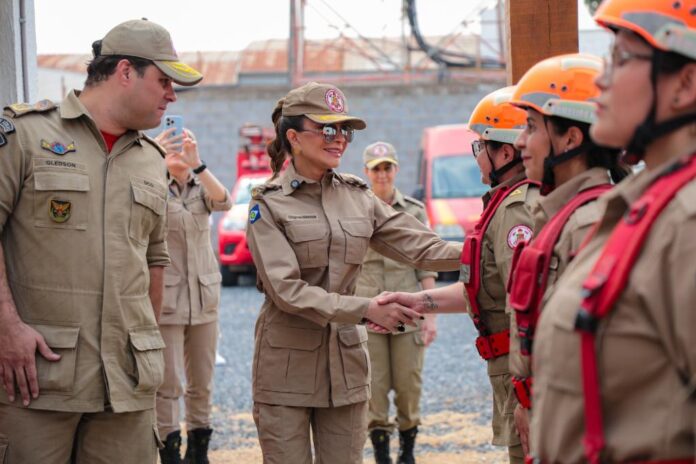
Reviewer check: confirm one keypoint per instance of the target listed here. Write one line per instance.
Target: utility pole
(18, 76)
(538, 29)
(296, 43)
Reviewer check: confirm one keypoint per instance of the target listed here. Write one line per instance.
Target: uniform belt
(523, 391)
(494, 345)
(531, 460)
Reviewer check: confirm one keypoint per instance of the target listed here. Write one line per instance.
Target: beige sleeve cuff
(420, 275)
(157, 254)
(223, 205)
(352, 309)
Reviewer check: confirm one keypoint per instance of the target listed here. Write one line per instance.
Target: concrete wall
(396, 114)
(17, 51)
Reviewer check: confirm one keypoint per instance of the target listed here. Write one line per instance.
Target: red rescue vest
(604, 285)
(488, 345)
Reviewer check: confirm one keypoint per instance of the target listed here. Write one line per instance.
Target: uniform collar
(72, 108)
(554, 201)
(191, 181)
(398, 198)
(291, 180)
(508, 183)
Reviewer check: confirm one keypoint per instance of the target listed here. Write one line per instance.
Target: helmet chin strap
(548, 181)
(496, 174)
(650, 130)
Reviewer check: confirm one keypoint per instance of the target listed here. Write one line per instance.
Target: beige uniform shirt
(380, 274)
(572, 235)
(512, 217)
(308, 240)
(646, 351)
(192, 282)
(79, 231)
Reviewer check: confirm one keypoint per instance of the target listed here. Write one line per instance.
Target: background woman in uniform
(396, 358)
(559, 96)
(309, 230)
(619, 386)
(507, 205)
(189, 320)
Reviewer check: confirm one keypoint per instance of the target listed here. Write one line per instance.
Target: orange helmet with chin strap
(668, 26)
(561, 86)
(495, 120)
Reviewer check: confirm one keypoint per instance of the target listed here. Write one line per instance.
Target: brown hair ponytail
(279, 147)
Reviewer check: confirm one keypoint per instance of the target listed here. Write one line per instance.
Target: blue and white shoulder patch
(254, 214)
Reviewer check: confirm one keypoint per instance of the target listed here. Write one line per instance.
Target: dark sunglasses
(330, 132)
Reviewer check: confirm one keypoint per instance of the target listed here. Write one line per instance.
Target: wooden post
(538, 29)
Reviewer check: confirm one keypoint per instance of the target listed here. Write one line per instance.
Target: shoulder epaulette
(17, 110)
(414, 201)
(519, 195)
(258, 191)
(355, 181)
(152, 142)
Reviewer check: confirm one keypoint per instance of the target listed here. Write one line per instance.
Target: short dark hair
(103, 66)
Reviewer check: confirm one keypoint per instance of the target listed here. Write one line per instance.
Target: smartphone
(177, 122)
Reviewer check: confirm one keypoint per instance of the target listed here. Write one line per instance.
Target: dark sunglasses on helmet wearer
(330, 132)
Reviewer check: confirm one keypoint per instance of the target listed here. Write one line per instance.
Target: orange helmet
(494, 119)
(668, 25)
(562, 86)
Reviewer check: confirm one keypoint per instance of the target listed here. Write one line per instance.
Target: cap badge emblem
(380, 150)
(334, 100)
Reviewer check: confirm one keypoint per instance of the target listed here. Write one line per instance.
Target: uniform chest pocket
(201, 215)
(147, 207)
(357, 236)
(61, 200)
(310, 241)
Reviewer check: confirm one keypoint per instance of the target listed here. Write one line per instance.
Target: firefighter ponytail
(279, 147)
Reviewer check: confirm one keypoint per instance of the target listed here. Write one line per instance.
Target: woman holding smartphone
(309, 230)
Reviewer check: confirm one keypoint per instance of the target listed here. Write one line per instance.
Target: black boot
(171, 453)
(197, 446)
(380, 443)
(407, 439)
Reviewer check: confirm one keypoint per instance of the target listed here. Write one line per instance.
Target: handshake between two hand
(392, 311)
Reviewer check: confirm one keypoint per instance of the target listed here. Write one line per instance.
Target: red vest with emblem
(529, 278)
(604, 285)
(488, 345)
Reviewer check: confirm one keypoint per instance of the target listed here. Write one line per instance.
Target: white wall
(17, 51)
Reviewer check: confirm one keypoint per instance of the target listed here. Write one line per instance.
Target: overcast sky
(70, 26)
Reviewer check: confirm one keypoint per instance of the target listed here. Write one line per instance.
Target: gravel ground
(455, 403)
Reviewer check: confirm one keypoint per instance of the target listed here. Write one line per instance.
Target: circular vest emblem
(519, 233)
(334, 100)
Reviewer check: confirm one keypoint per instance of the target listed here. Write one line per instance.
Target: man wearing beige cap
(82, 222)
(396, 358)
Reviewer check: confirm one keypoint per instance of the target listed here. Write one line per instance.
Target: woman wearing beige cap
(397, 359)
(309, 230)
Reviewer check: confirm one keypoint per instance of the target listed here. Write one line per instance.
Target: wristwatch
(200, 168)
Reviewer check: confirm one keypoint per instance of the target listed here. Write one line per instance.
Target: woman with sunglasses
(505, 222)
(309, 230)
(614, 354)
(559, 96)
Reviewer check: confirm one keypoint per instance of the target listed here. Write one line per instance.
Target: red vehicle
(253, 168)
(450, 180)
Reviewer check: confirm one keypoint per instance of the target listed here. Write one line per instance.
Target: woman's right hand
(391, 315)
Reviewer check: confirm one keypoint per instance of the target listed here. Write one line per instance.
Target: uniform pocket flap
(60, 337)
(148, 199)
(357, 227)
(295, 338)
(69, 181)
(210, 279)
(147, 338)
(306, 231)
(171, 279)
(353, 336)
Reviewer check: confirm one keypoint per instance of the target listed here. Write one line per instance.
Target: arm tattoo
(429, 303)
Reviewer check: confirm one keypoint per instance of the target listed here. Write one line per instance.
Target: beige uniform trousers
(338, 433)
(189, 357)
(33, 436)
(397, 363)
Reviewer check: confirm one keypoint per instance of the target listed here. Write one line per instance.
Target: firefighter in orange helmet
(614, 359)
(558, 95)
(505, 222)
